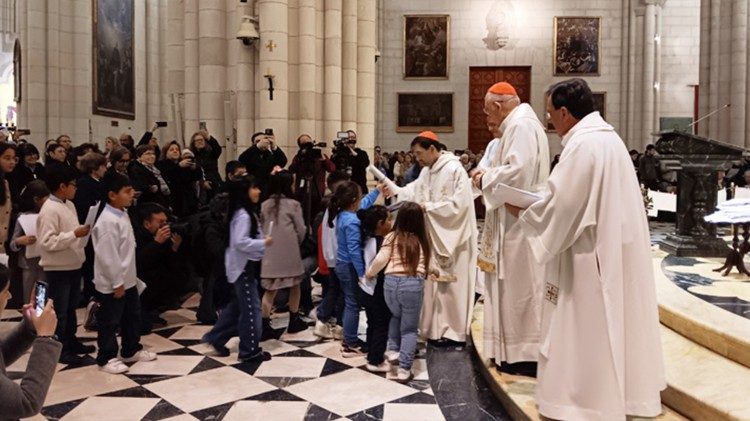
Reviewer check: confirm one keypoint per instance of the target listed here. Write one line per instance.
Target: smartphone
(41, 297)
(202, 125)
(269, 132)
(162, 124)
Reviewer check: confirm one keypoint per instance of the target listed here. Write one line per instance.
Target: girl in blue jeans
(405, 255)
(242, 316)
(350, 264)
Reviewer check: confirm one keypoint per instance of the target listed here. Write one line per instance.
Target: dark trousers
(65, 291)
(378, 319)
(332, 304)
(242, 316)
(87, 271)
(125, 313)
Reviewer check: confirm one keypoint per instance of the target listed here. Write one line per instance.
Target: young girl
(244, 253)
(32, 199)
(405, 255)
(282, 262)
(350, 266)
(376, 223)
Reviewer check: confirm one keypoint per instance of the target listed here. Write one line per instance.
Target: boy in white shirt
(115, 280)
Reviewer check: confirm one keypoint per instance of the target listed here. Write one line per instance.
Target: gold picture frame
(420, 111)
(426, 46)
(577, 46)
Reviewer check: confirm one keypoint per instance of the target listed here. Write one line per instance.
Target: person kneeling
(115, 280)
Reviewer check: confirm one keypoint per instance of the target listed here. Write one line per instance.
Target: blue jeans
(349, 282)
(403, 295)
(333, 300)
(241, 317)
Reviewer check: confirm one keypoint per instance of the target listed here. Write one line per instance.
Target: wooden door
(480, 80)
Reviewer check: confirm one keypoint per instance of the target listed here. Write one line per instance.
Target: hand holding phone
(40, 297)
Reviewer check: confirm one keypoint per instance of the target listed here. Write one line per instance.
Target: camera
(180, 228)
(311, 150)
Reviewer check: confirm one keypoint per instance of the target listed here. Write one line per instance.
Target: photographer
(261, 158)
(309, 167)
(352, 160)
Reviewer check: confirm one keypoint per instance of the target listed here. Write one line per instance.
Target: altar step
(702, 385)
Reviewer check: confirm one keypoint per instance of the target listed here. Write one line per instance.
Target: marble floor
(306, 380)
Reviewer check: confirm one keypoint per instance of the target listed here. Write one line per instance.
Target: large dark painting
(577, 46)
(425, 111)
(426, 46)
(114, 69)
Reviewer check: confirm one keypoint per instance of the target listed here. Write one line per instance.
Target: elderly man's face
(497, 108)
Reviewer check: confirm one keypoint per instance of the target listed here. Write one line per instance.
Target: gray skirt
(280, 283)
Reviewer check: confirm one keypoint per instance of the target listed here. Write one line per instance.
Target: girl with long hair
(247, 244)
(8, 162)
(32, 198)
(350, 265)
(282, 262)
(405, 256)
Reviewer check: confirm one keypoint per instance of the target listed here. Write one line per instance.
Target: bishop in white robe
(513, 281)
(601, 355)
(444, 190)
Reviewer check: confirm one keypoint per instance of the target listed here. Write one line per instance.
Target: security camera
(248, 32)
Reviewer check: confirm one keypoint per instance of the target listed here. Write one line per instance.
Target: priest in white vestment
(444, 190)
(600, 356)
(513, 281)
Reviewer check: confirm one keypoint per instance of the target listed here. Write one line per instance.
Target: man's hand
(276, 169)
(272, 142)
(387, 192)
(207, 185)
(268, 241)
(26, 240)
(154, 127)
(82, 231)
(119, 292)
(163, 234)
(205, 134)
(514, 210)
(476, 178)
(154, 189)
(184, 163)
(176, 241)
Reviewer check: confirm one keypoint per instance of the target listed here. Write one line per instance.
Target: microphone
(709, 115)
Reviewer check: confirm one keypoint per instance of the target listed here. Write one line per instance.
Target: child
(282, 262)
(115, 280)
(376, 223)
(32, 199)
(405, 255)
(61, 243)
(242, 260)
(350, 266)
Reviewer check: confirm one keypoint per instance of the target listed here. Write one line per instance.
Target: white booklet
(504, 193)
(28, 223)
(91, 220)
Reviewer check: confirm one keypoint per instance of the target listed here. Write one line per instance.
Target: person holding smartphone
(25, 399)
(263, 158)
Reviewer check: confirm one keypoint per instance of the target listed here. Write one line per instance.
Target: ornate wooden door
(481, 79)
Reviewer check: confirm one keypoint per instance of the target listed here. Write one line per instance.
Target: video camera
(311, 150)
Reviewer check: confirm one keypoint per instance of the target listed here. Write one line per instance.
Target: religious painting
(113, 61)
(425, 111)
(600, 104)
(426, 46)
(576, 46)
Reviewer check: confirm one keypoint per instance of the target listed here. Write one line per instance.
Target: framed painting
(425, 111)
(426, 46)
(600, 104)
(577, 46)
(113, 59)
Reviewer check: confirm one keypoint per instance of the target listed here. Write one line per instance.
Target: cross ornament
(271, 45)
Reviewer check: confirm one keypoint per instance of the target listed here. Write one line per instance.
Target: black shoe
(259, 357)
(521, 368)
(356, 350)
(158, 322)
(268, 332)
(69, 358)
(220, 351)
(81, 349)
(296, 324)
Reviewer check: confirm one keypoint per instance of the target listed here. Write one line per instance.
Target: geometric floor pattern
(305, 380)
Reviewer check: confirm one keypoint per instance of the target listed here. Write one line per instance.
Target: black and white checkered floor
(306, 379)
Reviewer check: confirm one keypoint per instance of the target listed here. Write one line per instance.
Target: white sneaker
(142, 356)
(322, 330)
(403, 375)
(383, 367)
(392, 356)
(337, 332)
(114, 366)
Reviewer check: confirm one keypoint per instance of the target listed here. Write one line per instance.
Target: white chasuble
(513, 281)
(600, 356)
(445, 192)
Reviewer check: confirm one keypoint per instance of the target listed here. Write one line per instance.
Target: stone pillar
(33, 111)
(333, 45)
(320, 68)
(274, 25)
(307, 34)
(367, 34)
(657, 70)
(647, 89)
(191, 56)
(738, 92)
(175, 81)
(212, 59)
(704, 66)
(153, 69)
(246, 59)
(349, 65)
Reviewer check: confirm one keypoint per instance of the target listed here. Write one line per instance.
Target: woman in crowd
(147, 179)
(207, 152)
(282, 262)
(28, 169)
(110, 143)
(182, 176)
(119, 160)
(7, 164)
(55, 155)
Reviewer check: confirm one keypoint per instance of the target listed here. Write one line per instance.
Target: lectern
(697, 161)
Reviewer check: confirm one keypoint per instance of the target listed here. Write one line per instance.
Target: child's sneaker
(404, 375)
(383, 367)
(114, 366)
(322, 330)
(140, 356)
(352, 351)
(337, 332)
(392, 356)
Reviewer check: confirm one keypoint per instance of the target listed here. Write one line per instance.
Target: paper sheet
(516, 197)
(370, 251)
(28, 223)
(383, 179)
(91, 219)
(664, 202)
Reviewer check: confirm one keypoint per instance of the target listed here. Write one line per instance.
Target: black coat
(182, 186)
(142, 179)
(208, 159)
(21, 176)
(88, 192)
(357, 164)
(260, 163)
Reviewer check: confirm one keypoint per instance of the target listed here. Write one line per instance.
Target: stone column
(307, 34)
(647, 89)
(191, 56)
(175, 57)
(212, 59)
(657, 70)
(333, 45)
(738, 92)
(704, 66)
(367, 34)
(153, 69)
(349, 65)
(246, 59)
(274, 30)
